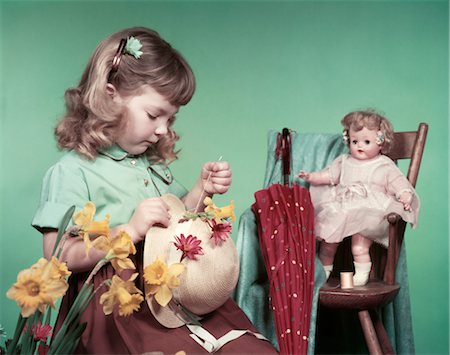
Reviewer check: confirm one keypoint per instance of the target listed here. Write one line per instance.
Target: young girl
(119, 137)
(356, 192)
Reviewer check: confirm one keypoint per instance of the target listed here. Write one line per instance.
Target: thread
(200, 200)
(346, 280)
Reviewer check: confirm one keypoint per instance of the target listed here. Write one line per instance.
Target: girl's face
(363, 144)
(147, 117)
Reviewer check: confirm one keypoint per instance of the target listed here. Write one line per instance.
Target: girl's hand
(406, 198)
(149, 212)
(216, 177)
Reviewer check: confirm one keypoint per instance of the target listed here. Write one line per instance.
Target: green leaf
(28, 343)
(48, 315)
(62, 227)
(12, 346)
(73, 316)
(70, 341)
(76, 333)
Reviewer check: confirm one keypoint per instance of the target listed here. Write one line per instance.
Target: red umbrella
(285, 219)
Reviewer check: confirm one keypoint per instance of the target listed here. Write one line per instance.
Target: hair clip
(133, 47)
(118, 57)
(345, 138)
(380, 138)
(129, 46)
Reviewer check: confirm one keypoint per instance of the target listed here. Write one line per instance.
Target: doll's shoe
(362, 271)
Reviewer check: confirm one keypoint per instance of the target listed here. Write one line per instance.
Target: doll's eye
(367, 141)
(354, 141)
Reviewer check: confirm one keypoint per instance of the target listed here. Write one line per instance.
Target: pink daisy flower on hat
(190, 246)
(220, 231)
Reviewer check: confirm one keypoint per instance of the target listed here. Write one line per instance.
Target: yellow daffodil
(124, 294)
(85, 216)
(117, 250)
(60, 268)
(133, 305)
(161, 279)
(53, 269)
(37, 287)
(219, 213)
(84, 219)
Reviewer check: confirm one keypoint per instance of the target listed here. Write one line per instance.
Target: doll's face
(363, 144)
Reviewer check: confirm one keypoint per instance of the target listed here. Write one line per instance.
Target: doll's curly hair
(372, 120)
(93, 122)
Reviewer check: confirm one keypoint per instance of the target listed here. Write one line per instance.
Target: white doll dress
(361, 194)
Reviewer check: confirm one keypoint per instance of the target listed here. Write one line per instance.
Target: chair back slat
(407, 145)
(410, 145)
(403, 145)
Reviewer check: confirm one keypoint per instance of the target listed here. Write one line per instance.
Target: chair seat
(374, 294)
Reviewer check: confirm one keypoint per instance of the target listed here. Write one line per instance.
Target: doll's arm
(327, 176)
(317, 178)
(406, 197)
(400, 187)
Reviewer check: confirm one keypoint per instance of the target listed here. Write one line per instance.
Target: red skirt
(141, 332)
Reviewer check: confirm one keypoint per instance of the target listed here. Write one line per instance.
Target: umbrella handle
(286, 155)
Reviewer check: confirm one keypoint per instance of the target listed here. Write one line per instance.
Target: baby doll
(354, 194)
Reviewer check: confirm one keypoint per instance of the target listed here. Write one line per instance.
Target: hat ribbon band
(211, 344)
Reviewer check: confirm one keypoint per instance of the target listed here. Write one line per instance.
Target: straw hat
(207, 282)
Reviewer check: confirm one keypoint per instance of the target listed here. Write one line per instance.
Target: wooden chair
(382, 287)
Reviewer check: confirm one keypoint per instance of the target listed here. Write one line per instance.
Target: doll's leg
(361, 257)
(326, 256)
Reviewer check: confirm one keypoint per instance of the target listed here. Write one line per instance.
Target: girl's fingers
(164, 221)
(221, 180)
(216, 166)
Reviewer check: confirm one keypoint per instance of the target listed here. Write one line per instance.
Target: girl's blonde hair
(92, 122)
(372, 120)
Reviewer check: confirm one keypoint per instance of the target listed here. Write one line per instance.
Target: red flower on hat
(190, 246)
(220, 231)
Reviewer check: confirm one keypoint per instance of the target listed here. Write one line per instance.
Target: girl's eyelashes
(155, 117)
(151, 116)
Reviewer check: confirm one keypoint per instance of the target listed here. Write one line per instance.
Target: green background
(260, 65)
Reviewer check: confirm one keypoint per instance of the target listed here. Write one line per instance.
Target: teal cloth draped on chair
(310, 152)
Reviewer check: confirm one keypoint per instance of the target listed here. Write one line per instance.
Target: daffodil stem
(97, 267)
(106, 282)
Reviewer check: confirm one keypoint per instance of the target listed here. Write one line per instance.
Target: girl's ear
(111, 90)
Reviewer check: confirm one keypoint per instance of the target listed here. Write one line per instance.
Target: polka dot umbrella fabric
(285, 219)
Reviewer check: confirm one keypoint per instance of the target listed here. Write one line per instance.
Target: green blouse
(115, 182)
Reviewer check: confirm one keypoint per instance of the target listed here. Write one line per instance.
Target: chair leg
(369, 333)
(383, 337)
